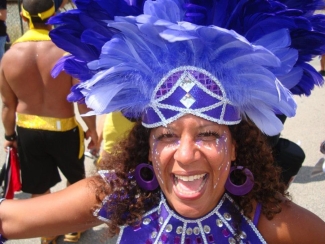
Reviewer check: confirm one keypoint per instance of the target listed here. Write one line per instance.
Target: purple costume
(163, 225)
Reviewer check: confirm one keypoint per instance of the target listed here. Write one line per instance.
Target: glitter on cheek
(157, 153)
(174, 145)
(200, 144)
(155, 159)
(221, 173)
(221, 147)
(221, 143)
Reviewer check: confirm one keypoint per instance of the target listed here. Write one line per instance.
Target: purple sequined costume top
(163, 225)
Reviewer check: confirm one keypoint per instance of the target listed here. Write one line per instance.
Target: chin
(189, 208)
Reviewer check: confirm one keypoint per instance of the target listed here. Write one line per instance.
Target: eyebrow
(170, 127)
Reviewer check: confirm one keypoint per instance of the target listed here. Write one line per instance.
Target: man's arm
(9, 105)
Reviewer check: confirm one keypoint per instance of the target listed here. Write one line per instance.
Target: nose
(187, 151)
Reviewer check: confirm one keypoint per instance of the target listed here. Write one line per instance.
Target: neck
(41, 26)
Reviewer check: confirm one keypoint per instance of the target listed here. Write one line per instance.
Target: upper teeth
(189, 178)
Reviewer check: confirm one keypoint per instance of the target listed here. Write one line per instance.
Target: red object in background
(10, 174)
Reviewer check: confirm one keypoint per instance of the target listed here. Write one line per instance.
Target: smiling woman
(205, 83)
(192, 158)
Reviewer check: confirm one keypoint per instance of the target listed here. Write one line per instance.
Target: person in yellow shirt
(110, 128)
(116, 127)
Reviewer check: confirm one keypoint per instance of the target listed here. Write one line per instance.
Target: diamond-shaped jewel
(187, 100)
(187, 84)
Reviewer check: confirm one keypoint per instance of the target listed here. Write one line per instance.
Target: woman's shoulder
(294, 224)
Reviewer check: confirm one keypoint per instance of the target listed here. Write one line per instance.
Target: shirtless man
(35, 104)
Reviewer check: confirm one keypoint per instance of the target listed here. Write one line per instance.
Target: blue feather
(306, 6)
(255, 44)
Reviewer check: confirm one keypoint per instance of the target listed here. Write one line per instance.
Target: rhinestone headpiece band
(189, 90)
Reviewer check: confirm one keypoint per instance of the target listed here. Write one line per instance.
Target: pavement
(307, 129)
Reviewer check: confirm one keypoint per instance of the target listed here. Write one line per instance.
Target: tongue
(189, 185)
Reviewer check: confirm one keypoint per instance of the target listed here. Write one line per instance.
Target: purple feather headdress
(222, 61)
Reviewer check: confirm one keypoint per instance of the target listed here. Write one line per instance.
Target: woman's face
(191, 158)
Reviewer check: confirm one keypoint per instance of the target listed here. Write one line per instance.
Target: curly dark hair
(252, 152)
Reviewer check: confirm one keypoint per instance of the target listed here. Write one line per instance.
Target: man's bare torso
(27, 68)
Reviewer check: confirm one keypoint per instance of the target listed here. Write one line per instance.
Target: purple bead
(210, 238)
(164, 237)
(225, 233)
(154, 216)
(148, 241)
(177, 240)
(187, 241)
(199, 240)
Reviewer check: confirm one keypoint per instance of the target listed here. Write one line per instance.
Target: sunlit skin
(196, 154)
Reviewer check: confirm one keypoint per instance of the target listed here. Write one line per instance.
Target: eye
(167, 137)
(208, 135)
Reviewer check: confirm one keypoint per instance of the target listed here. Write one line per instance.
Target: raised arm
(66, 211)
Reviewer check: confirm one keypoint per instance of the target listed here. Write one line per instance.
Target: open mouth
(189, 185)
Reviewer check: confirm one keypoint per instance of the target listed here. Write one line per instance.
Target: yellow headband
(44, 15)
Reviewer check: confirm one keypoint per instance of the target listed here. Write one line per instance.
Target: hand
(93, 144)
(7, 144)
